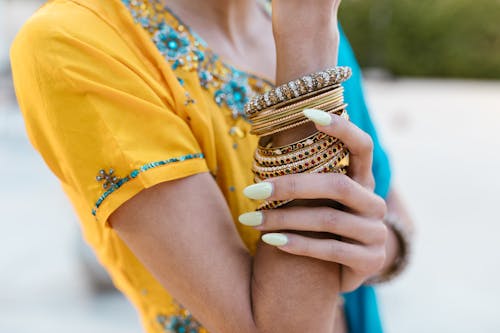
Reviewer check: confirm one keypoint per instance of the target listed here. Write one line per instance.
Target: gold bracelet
(300, 165)
(294, 156)
(298, 88)
(339, 111)
(269, 150)
(278, 112)
(295, 114)
(336, 167)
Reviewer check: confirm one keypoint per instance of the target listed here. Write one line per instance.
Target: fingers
(320, 219)
(332, 186)
(359, 143)
(361, 259)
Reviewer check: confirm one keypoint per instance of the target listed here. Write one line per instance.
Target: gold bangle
(337, 167)
(300, 165)
(295, 114)
(277, 111)
(296, 155)
(269, 131)
(269, 150)
(298, 88)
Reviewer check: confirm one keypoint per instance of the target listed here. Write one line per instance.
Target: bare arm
(306, 38)
(183, 232)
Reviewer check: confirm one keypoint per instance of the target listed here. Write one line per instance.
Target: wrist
(300, 54)
(296, 25)
(289, 14)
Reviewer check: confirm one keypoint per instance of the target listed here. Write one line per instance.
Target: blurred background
(433, 83)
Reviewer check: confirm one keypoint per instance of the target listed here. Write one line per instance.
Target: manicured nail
(251, 219)
(259, 191)
(275, 239)
(319, 117)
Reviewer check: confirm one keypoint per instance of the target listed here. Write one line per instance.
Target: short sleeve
(104, 124)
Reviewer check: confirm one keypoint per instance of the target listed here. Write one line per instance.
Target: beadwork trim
(185, 50)
(136, 172)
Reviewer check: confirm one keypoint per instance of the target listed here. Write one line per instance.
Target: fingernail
(259, 191)
(275, 239)
(319, 117)
(251, 219)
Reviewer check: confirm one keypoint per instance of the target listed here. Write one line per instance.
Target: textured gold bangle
(336, 167)
(298, 88)
(269, 150)
(298, 166)
(266, 132)
(278, 112)
(295, 114)
(294, 156)
(301, 101)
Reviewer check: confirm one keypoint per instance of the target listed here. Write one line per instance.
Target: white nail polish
(318, 117)
(275, 239)
(259, 191)
(251, 219)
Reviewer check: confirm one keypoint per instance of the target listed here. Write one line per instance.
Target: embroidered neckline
(185, 50)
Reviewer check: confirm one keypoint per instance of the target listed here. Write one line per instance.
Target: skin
(293, 288)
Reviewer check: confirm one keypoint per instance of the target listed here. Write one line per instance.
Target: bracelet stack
(281, 109)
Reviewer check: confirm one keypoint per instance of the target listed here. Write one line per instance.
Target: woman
(143, 124)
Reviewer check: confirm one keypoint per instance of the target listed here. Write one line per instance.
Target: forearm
(308, 49)
(183, 233)
(304, 290)
(292, 293)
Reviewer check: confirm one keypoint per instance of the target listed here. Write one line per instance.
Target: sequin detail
(108, 179)
(184, 323)
(185, 50)
(135, 173)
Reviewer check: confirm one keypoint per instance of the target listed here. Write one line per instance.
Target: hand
(361, 248)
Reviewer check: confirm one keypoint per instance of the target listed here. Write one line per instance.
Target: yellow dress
(119, 96)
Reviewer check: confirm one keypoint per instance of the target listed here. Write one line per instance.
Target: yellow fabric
(97, 94)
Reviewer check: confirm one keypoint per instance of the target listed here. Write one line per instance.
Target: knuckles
(366, 144)
(382, 234)
(373, 263)
(379, 260)
(287, 186)
(341, 183)
(380, 208)
(328, 218)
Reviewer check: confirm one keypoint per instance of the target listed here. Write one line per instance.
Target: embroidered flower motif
(170, 42)
(233, 93)
(107, 178)
(113, 183)
(178, 324)
(184, 49)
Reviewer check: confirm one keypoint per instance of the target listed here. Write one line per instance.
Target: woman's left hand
(361, 250)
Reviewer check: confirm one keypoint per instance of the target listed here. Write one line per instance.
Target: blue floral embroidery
(171, 43)
(134, 173)
(234, 93)
(178, 324)
(184, 49)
